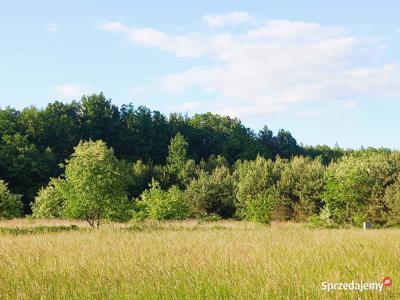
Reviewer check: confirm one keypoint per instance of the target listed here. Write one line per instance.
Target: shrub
(356, 186)
(179, 168)
(301, 186)
(256, 182)
(212, 194)
(392, 202)
(49, 201)
(139, 176)
(158, 204)
(259, 208)
(10, 204)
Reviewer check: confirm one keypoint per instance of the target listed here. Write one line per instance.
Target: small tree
(301, 186)
(179, 167)
(259, 208)
(49, 202)
(213, 194)
(10, 204)
(162, 205)
(94, 185)
(392, 202)
(256, 186)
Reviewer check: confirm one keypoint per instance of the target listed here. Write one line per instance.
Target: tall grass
(191, 260)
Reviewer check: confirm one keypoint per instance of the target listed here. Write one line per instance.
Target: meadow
(192, 260)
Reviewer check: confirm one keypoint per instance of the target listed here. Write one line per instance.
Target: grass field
(193, 260)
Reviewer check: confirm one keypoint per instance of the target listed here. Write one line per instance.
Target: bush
(300, 187)
(10, 204)
(49, 202)
(356, 186)
(392, 201)
(139, 175)
(155, 203)
(259, 208)
(257, 184)
(212, 194)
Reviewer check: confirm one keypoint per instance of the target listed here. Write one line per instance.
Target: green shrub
(301, 186)
(158, 204)
(212, 194)
(259, 208)
(257, 185)
(392, 202)
(49, 201)
(10, 204)
(356, 185)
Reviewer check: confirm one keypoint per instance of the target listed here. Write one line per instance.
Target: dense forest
(92, 160)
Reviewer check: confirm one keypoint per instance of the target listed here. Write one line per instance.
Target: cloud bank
(272, 66)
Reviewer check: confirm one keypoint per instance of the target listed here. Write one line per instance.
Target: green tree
(25, 167)
(10, 205)
(94, 188)
(158, 204)
(392, 203)
(257, 184)
(356, 186)
(139, 176)
(301, 186)
(49, 203)
(100, 120)
(179, 167)
(145, 134)
(213, 193)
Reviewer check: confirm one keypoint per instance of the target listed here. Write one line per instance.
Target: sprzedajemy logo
(360, 286)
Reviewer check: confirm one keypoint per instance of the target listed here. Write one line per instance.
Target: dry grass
(192, 260)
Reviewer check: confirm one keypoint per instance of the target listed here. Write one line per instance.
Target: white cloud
(180, 45)
(274, 66)
(68, 91)
(53, 28)
(229, 19)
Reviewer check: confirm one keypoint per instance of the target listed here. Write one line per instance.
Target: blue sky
(328, 71)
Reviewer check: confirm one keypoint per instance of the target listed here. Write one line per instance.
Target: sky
(327, 71)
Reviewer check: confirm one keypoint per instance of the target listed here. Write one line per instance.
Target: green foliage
(49, 202)
(222, 135)
(179, 167)
(213, 162)
(25, 167)
(257, 181)
(356, 186)
(139, 175)
(300, 187)
(158, 204)
(33, 142)
(326, 153)
(94, 188)
(196, 154)
(213, 194)
(392, 203)
(10, 205)
(259, 208)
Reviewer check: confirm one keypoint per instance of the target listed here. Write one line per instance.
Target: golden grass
(192, 260)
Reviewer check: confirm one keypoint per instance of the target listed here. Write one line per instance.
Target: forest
(94, 161)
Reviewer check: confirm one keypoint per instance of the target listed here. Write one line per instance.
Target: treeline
(33, 142)
(133, 163)
(96, 186)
